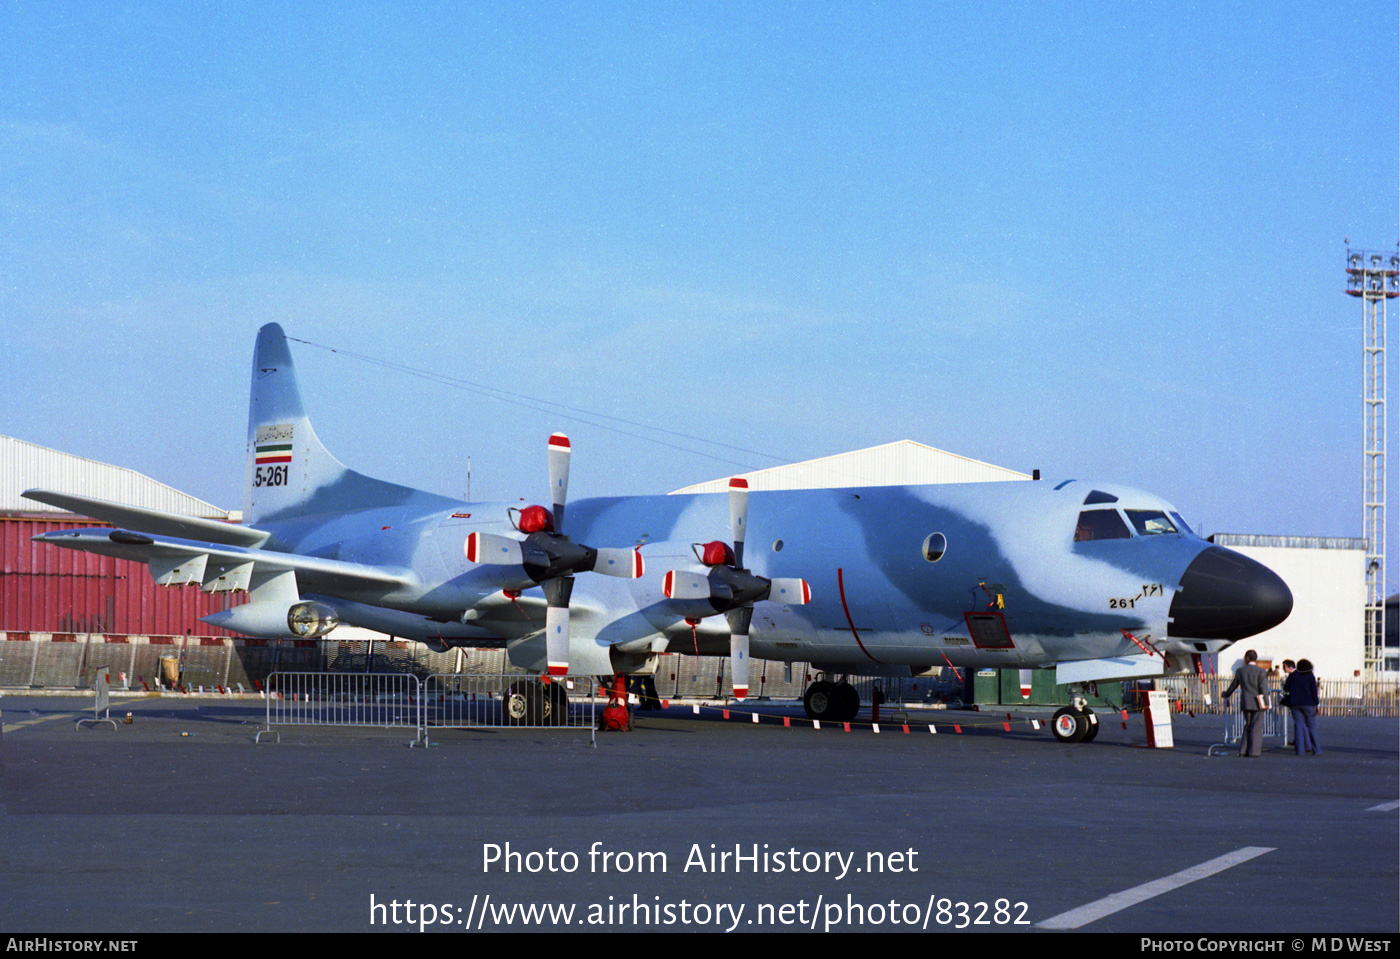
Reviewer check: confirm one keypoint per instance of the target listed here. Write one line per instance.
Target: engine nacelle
(302, 620)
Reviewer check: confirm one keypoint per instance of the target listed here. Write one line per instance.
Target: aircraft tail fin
(289, 473)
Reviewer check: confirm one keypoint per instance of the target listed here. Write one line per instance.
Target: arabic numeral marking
(1121, 603)
(1151, 589)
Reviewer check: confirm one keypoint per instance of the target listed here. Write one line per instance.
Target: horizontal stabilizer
(150, 520)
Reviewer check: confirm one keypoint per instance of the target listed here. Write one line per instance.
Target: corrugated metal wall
(47, 589)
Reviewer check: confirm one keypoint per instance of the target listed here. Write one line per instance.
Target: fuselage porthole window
(935, 545)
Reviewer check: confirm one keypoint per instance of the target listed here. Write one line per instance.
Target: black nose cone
(1225, 595)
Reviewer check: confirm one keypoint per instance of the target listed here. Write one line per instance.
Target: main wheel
(524, 705)
(820, 701)
(556, 705)
(1068, 725)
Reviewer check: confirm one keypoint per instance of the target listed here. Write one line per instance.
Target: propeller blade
(739, 620)
(793, 591)
(493, 550)
(559, 477)
(556, 624)
(683, 584)
(556, 627)
(625, 563)
(738, 516)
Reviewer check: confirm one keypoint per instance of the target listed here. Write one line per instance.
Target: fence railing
(476, 700)
(403, 701)
(1339, 697)
(68, 660)
(391, 701)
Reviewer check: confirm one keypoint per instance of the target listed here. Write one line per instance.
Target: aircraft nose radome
(1228, 596)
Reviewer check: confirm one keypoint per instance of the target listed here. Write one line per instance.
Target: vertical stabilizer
(288, 472)
(285, 458)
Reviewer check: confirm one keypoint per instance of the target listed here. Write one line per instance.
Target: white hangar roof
(904, 463)
(31, 466)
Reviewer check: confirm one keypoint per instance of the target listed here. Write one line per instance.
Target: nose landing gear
(1076, 723)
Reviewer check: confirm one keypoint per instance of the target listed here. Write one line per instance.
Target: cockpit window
(1150, 522)
(1099, 496)
(1181, 524)
(1100, 524)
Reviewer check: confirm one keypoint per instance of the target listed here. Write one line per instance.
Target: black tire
(524, 705)
(820, 701)
(1091, 727)
(556, 705)
(1068, 725)
(849, 701)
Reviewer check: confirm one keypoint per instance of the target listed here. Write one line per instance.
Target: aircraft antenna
(1373, 278)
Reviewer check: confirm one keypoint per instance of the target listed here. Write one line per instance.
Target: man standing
(1253, 684)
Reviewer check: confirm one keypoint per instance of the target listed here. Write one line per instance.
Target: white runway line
(1386, 807)
(1149, 890)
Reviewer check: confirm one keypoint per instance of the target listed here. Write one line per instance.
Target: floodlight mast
(1374, 278)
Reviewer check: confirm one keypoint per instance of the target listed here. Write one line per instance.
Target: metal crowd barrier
(451, 701)
(475, 700)
(1276, 723)
(388, 700)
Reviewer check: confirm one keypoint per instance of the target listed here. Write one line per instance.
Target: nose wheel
(1074, 725)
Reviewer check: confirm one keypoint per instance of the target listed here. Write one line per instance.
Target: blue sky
(1101, 240)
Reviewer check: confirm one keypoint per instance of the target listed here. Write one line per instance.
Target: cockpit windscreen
(1150, 522)
(1100, 524)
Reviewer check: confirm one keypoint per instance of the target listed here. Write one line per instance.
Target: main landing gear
(1075, 723)
(534, 703)
(831, 702)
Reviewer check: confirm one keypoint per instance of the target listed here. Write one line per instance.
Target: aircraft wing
(220, 567)
(150, 520)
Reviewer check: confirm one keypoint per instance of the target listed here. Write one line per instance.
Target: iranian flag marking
(273, 453)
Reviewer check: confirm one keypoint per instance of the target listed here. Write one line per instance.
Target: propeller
(730, 588)
(549, 558)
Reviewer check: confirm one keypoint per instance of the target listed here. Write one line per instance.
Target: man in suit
(1253, 684)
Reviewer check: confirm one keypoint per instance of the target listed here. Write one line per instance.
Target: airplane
(1099, 581)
